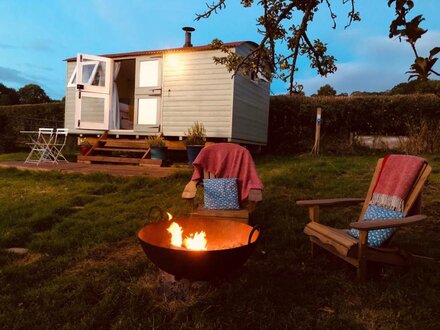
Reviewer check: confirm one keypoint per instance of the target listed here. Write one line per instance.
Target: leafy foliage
(287, 23)
(326, 90)
(422, 67)
(32, 94)
(195, 135)
(155, 141)
(279, 24)
(30, 117)
(417, 86)
(292, 119)
(8, 96)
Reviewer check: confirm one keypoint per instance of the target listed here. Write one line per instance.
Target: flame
(176, 234)
(170, 216)
(196, 241)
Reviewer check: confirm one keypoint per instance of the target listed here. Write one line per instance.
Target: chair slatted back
(413, 195)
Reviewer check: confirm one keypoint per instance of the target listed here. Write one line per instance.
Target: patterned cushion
(221, 194)
(377, 237)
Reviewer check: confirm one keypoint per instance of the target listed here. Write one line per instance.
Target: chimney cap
(188, 29)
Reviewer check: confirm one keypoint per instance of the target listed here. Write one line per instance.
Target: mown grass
(86, 270)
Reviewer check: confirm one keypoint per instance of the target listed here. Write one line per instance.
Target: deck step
(133, 144)
(121, 149)
(119, 160)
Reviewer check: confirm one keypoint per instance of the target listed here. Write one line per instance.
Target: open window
(91, 71)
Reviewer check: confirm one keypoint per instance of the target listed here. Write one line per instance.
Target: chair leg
(362, 257)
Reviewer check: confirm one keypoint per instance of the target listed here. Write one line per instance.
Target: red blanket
(228, 160)
(396, 177)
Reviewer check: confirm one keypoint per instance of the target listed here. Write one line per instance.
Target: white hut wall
(196, 89)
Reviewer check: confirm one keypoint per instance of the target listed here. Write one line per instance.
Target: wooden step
(120, 149)
(133, 144)
(119, 160)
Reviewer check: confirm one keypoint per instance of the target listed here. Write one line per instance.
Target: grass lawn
(85, 268)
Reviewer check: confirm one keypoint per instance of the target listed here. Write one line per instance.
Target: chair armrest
(330, 202)
(255, 195)
(190, 190)
(388, 223)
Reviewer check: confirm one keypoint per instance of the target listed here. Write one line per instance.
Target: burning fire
(176, 234)
(195, 241)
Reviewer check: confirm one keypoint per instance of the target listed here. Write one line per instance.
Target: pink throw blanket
(396, 178)
(228, 160)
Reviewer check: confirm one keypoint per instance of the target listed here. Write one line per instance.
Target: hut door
(148, 94)
(93, 88)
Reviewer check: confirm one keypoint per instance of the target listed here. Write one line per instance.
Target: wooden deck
(116, 170)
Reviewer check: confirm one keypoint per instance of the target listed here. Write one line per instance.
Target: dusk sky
(36, 37)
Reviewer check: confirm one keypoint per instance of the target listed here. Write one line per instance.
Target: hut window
(90, 74)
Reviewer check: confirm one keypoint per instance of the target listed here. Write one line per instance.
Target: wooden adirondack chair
(356, 251)
(222, 151)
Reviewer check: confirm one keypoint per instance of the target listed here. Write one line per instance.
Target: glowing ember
(195, 241)
(176, 234)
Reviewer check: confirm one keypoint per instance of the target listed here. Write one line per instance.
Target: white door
(94, 80)
(148, 94)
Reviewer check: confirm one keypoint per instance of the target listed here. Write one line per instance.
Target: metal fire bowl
(230, 244)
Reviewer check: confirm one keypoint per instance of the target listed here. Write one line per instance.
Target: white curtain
(115, 98)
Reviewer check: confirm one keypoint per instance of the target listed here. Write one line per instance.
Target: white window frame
(72, 81)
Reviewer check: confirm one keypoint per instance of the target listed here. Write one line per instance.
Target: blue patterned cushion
(221, 194)
(377, 237)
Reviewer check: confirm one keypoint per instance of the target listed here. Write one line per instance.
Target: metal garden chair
(58, 144)
(40, 147)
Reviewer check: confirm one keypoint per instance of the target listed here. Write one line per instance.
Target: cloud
(12, 76)
(41, 45)
(36, 44)
(7, 46)
(355, 76)
(378, 64)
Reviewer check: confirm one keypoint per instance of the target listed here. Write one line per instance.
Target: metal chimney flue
(188, 31)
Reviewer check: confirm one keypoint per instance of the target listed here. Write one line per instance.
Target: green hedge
(292, 119)
(16, 118)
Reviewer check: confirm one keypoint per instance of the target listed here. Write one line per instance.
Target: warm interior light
(173, 61)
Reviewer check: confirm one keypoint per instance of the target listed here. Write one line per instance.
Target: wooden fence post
(315, 149)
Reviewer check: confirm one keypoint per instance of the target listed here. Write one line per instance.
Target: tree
(326, 90)
(32, 94)
(287, 22)
(417, 86)
(8, 96)
(422, 67)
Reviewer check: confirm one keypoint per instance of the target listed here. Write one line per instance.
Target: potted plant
(84, 146)
(157, 146)
(195, 140)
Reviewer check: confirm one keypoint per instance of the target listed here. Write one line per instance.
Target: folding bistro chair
(40, 147)
(58, 144)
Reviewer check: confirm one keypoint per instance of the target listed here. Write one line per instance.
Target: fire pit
(228, 244)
